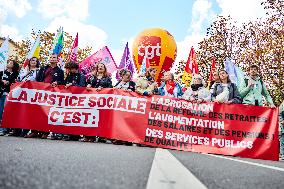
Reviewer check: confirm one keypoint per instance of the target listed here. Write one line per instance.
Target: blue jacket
(176, 93)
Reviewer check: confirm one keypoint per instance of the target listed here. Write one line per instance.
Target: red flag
(74, 51)
(213, 69)
(191, 64)
(191, 67)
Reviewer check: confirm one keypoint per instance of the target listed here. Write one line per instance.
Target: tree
(46, 45)
(259, 42)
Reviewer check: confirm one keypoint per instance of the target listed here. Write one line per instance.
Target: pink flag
(101, 56)
(74, 51)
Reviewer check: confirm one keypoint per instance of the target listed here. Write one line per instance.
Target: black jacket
(131, 85)
(7, 76)
(77, 79)
(58, 75)
(104, 82)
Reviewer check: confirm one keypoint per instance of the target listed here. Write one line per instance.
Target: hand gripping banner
(228, 129)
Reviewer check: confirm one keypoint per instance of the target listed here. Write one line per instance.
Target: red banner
(238, 130)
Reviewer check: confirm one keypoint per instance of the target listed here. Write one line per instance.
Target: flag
(213, 69)
(236, 75)
(191, 67)
(74, 51)
(101, 56)
(4, 53)
(145, 65)
(58, 43)
(61, 62)
(34, 52)
(126, 62)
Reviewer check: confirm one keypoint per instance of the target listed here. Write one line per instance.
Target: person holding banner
(49, 74)
(27, 74)
(197, 92)
(225, 91)
(30, 73)
(253, 88)
(100, 78)
(281, 128)
(73, 78)
(169, 87)
(146, 84)
(7, 77)
(125, 82)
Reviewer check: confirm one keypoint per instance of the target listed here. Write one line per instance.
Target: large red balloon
(160, 48)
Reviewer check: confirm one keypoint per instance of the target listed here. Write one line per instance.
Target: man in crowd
(253, 89)
(49, 74)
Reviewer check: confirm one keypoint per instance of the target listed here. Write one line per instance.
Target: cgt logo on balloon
(159, 46)
(151, 48)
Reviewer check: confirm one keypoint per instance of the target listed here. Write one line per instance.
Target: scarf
(170, 86)
(195, 87)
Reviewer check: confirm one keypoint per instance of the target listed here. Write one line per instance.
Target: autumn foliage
(46, 45)
(259, 42)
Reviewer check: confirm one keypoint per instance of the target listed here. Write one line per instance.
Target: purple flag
(125, 63)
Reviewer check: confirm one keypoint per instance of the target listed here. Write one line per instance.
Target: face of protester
(73, 70)
(253, 72)
(153, 73)
(223, 75)
(126, 77)
(33, 62)
(10, 65)
(215, 76)
(53, 59)
(167, 76)
(197, 81)
(101, 68)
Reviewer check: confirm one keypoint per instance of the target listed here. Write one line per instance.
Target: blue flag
(236, 75)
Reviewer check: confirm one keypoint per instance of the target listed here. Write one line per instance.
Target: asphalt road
(37, 163)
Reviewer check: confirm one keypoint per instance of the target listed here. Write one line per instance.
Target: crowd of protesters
(251, 92)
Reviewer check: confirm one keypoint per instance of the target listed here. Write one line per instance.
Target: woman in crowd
(28, 74)
(225, 91)
(169, 87)
(73, 78)
(197, 92)
(99, 79)
(7, 77)
(125, 81)
(216, 80)
(281, 128)
(146, 84)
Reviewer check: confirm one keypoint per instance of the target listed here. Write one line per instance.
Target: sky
(115, 22)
